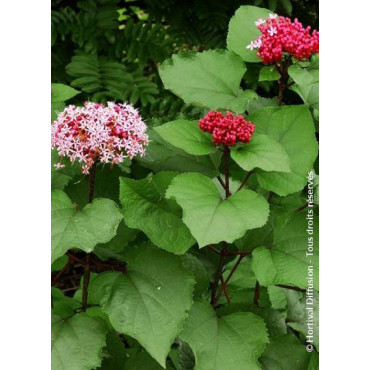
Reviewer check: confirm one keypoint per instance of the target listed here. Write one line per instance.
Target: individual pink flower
(98, 133)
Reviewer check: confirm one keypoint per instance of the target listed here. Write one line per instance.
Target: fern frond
(107, 79)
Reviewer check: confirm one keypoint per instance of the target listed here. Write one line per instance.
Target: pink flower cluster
(228, 129)
(97, 132)
(284, 36)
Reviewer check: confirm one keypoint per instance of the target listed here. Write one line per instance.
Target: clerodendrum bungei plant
(184, 246)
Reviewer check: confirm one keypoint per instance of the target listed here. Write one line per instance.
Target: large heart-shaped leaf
(262, 152)
(235, 341)
(212, 219)
(292, 127)
(243, 30)
(77, 342)
(286, 262)
(144, 207)
(210, 79)
(285, 352)
(149, 303)
(95, 223)
(187, 136)
(301, 310)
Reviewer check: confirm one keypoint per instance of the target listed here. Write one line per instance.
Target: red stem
(249, 174)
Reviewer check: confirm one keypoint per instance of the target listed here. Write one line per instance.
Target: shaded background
(111, 49)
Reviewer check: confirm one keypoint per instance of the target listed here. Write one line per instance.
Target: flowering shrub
(199, 248)
(101, 133)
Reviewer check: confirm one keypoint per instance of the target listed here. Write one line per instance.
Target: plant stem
(291, 287)
(249, 174)
(282, 82)
(92, 182)
(227, 175)
(61, 272)
(86, 281)
(224, 288)
(256, 294)
(223, 252)
(220, 268)
(218, 295)
(239, 253)
(219, 178)
(301, 208)
(98, 266)
(88, 255)
(214, 249)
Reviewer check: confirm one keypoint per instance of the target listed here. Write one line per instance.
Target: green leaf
(305, 75)
(106, 79)
(106, 185)
(115, 247)
(231, 342)
(149, 303)
(301, 309)
(186, 356)
(77, 343)
(199, 271)
(300, 75)
(161, 156)
(263, 266)
(307, 82)
(61, 177)
(285, 352)
(243, 277)
(274, 320)
(262, 152)
(272, 5)
(287, 4)
(242, 30)
(260, 103)
(115, 354)
(286, 261)
(269, 73)
(212, 219)
(144, 207)
(187, 136)
(292, 127)
(308, 93)
(56, 108)
(63, 306)
(141, 361)
(277, 297)
(212, 79)
(61, 93)
(59, 263)
(96, 223)
(314, 361)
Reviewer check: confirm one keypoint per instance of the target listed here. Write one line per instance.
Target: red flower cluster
(227, 130)
(284, 36)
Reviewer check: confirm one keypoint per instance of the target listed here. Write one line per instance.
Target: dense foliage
(200, 252)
